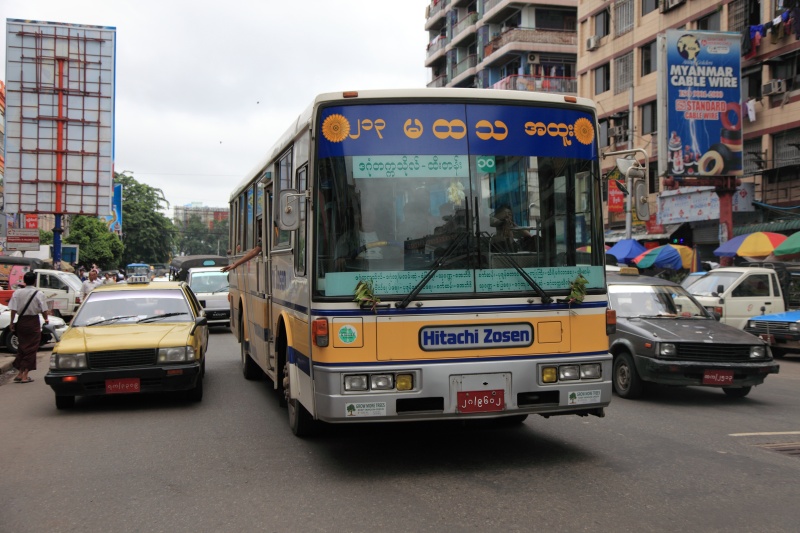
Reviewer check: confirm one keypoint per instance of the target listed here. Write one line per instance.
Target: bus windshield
(476, 195)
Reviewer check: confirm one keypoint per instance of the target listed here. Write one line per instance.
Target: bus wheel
(300, 420)
(627, 382)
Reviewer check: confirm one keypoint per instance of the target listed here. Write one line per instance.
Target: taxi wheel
(778, 353)
(736, 392)
(627, 382)
(65, 402)
(12, 342)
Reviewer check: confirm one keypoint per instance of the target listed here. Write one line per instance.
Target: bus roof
(439, 95)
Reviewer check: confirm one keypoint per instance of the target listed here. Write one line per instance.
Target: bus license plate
(718, 377)
(480, 401)
(123, 386)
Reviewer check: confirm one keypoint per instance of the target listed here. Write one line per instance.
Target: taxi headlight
(178, 354)
(667, 349)
(794, 327)
(757, 351)
(67, 361)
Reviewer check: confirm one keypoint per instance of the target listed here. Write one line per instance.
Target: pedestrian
(89, 285)
(27, 303)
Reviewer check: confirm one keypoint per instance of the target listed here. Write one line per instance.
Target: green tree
(148, 235)
(45, 237)
(97, 244)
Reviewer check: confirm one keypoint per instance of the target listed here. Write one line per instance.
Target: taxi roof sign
(137, 280)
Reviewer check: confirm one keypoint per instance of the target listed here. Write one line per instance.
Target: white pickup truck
(739, 293)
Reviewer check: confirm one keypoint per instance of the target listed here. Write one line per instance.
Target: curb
(5, 363)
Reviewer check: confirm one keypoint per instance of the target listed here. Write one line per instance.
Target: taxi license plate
(718, 377)
(123, 386)
(483, 401)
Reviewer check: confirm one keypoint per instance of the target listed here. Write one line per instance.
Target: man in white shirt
(89, 285)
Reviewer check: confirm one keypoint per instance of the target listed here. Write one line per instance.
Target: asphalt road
(680, 459)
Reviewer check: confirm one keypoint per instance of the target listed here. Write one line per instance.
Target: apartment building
(617, 68)
(502, 44)
(607, 51)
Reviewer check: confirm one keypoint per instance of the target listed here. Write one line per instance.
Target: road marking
(764, 434)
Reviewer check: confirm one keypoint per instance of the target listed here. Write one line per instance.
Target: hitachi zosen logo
(475, 336)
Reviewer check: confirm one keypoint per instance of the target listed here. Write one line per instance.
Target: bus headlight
(381, 381)
(357, 382)
(549, 374)
(569, 372)
(591, 371)
(404, 381)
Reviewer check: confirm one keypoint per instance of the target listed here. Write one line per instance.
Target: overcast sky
(204, 88)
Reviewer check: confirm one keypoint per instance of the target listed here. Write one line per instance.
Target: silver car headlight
(794, 327)
(178, 354)
(67, 361)
(757, 352)
(667, 349)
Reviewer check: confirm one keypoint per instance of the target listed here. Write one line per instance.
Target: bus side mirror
(289, 209)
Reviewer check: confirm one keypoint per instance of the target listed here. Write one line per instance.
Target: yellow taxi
(132, 338)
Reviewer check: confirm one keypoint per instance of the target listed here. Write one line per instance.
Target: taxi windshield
(653, 301)
(115, 307)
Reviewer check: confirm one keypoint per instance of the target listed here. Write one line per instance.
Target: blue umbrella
(626, 249)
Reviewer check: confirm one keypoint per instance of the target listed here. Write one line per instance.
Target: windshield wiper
(546, 298)
(221, 289)
(112, 319)
(432, 272)
(158, 317)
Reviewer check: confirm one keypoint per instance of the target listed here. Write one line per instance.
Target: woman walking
(28, 303)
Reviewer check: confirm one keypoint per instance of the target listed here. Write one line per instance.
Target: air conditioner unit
(774, 87)
(533, 59)
(666, 5)
(592, 43)
(617, 131)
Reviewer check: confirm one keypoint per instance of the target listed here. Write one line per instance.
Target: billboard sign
(59, 117)
(22, 239)
(700, 77)
(114, 220)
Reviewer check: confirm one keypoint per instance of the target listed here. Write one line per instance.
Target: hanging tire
(65, 402)
(736, 392)
(627, 382)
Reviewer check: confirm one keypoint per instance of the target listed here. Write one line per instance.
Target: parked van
(210, 285)
(63, 289)
(739, 293)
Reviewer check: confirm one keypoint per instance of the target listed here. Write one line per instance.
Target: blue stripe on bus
(455, 310)
(422, 362)
(300, 360)
(301, 308)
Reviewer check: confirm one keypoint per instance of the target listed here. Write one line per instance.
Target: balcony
(543, 84)
(434, 12)
(464, 65)
(532, 36)
(437, 45)
(464, 23)
(440, 81)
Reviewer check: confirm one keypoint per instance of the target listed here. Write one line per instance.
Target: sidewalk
(5, 362)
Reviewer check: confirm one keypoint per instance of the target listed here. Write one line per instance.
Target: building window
(648, 113)
(601, 23)
(743, 13)
(753, 157)
(652, 177)
(648, 6)
(623, 16)
(785, 147)
(648, 58)
(711, 22)
(788, 69)
(623, 73)
(602, 78)
(751, 84)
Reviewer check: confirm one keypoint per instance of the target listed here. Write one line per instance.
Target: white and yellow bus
(426, 254)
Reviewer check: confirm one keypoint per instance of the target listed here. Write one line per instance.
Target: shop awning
(775, 226)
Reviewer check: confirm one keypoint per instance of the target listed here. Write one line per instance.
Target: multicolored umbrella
(788, 248)
(672, 256)
(626, 249)
(757, 244)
